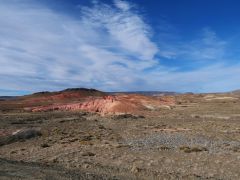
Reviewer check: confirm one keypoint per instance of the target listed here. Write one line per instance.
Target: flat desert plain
(196, 137)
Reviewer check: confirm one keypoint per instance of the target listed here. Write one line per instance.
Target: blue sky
(118, 45)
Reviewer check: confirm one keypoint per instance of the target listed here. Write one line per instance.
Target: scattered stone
(164, 148)
(188, 149)
(44, 145)
(135, 169)
(86, 166)
(127, 116)
(73, 140)
(87, 138)
(86, 143)
(13, 152)
(101, 127)
(88, 154)
(121, 145)
(236, 149)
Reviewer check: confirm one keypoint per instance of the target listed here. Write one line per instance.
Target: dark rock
(20, 136)
(88, 154)
(44, 145)
(127, 116)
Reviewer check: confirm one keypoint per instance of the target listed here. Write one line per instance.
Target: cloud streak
(110, 47)
(38, 43)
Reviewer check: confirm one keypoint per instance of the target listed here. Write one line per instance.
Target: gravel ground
(178, 140)
(13, 170)
(196, 139)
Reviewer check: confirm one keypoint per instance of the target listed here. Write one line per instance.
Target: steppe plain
(196, 137)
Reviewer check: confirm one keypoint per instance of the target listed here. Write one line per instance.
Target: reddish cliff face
(100, 105)
(109, 105)
(89, 100)
(45, 99)
(68, 95)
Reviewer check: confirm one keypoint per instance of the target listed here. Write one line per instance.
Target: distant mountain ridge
(147, 93)
(236, 91)
(3, 98)
(69, 90)
(93, 92)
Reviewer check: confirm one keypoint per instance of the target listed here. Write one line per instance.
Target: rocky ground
(198, 137)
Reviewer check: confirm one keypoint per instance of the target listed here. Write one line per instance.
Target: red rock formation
(68, 95)
(112, 104)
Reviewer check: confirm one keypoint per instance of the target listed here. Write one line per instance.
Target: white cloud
(110, 47)
(123, 5)
(215, 78)
(44, 49)
(125, 28)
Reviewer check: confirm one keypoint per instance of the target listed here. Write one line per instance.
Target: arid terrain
(88, 134)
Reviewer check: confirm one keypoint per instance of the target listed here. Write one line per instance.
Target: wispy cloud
(214, 78)
(125, 28)
(109, 47)
(205, 46)
(39, 43)
(123, 5)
